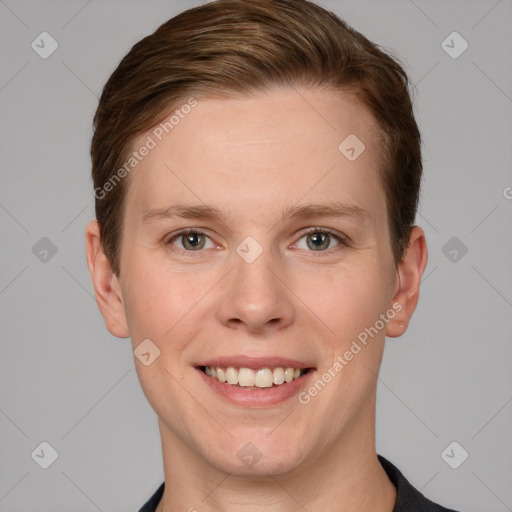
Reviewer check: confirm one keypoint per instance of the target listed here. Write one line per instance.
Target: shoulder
(152, 503)
(408, 498)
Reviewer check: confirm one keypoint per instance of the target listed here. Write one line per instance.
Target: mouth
(253, 379)
(255, 382)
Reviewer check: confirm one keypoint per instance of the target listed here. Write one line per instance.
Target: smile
(255, 382)
(254, 378)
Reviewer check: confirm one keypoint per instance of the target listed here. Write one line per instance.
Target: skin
(252, 158)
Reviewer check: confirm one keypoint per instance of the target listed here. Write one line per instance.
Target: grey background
(66, 381)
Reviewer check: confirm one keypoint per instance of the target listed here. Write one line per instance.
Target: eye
(320, 240)
(191, 240)
(316, 239)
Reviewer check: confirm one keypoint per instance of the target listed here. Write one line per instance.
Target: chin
(258, 458)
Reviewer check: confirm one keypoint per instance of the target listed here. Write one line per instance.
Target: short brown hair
(233, 47)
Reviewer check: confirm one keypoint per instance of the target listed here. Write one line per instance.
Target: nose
(256, 297)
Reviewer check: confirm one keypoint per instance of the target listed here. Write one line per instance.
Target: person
(256, 169)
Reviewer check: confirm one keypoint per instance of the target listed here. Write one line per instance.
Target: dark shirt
(408, 499)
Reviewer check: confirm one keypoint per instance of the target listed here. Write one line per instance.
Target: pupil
(319, 239)
(193, 239)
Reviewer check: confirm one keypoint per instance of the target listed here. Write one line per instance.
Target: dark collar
(408, 498)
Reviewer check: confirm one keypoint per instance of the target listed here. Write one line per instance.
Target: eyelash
(342, 239)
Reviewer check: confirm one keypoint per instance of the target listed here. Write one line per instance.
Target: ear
(105, 282)
(407, 291)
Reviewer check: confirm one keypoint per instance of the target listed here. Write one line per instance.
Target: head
(248, 124)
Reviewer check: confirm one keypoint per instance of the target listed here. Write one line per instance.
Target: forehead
(281, 146)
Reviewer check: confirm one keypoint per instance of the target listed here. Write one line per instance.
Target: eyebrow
(334, 209)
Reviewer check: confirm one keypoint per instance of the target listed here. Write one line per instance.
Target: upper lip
(255, 363)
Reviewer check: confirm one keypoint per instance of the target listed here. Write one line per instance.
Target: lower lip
(264, 397)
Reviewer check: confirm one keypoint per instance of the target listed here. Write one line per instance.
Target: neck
(347, 478)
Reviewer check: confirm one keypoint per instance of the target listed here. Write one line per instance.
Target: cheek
(147, 298)
(160, 302)
(346, 299)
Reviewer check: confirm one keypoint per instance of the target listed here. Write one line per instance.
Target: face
(285, 263)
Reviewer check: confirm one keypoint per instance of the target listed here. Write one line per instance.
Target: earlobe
(106, 285)
(410, 270)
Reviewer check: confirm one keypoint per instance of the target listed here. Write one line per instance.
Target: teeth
(232, 375)
(221, 375)
(288, 374)
(247, 377)
(278, 376)
(264, 378)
